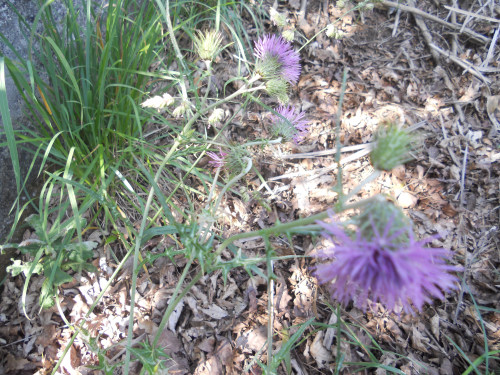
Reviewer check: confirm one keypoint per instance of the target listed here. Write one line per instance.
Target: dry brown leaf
(215, 312)
(321, 355)
(252, 340)
(15, 365)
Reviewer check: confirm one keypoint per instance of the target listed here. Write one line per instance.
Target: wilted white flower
(369, 6)
(216, 116)
(341, 4)
(158, 102)
(333, 32)
(277, 18)
(180, 110)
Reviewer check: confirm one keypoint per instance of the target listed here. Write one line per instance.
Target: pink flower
(277, 59)
(384, 269)
(218, 160)
(295, 126)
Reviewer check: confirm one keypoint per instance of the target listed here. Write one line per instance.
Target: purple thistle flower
(218, 160)
(296, 126)
(382, 269)
(276, 58)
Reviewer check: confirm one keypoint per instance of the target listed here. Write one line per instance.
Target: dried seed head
(207, 44)
(277, 18)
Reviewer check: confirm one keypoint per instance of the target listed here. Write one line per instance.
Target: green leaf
(47, 295)
(19, 266)
(59, 277)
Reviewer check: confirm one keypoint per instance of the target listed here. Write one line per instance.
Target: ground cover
(407, 65)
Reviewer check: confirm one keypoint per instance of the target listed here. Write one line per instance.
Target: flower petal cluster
(218, 160)
(289, 123)
(277, 59)
(382, 269)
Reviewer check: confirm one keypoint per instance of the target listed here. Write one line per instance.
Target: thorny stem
(232, 182)
(282, 228)
(209, 72)
(264, 142)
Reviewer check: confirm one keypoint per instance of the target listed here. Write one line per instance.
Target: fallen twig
(471, 33)
(458, 10)
(464, 64)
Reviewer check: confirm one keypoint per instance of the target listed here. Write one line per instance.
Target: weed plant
(123, 105)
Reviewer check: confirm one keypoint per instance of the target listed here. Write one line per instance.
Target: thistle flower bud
(235, 159)
(216, 116)
(207, 45)
(278, 88)
(277, 18)
(392, 147)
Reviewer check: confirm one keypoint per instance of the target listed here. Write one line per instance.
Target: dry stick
(302, 11)
(456, 104)
(458, 10)
(411, 9)
(332, 151)
(464, 64)
(454, 39)
(425, 32)
(462, 179)
(491, 50)
(396, 23)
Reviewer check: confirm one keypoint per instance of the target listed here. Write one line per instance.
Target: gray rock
(18, 35)
(13, 31)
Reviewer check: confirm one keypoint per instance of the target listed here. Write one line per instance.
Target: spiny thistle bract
(392, 147)
(277, 59)
(289, 124)
(380, 269)
(377, 215)
(278, 88)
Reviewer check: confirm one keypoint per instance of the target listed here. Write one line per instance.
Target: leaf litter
(452, 187)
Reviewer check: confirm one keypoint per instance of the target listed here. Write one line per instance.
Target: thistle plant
(388, 266)
(377, 259)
